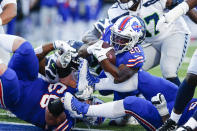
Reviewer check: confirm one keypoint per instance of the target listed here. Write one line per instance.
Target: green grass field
(156, 71)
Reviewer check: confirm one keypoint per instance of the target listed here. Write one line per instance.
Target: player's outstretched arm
(43, 50)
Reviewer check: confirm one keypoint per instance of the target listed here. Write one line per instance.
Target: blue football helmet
(127, 32)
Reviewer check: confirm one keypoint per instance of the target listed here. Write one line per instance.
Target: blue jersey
(26, 95)
(132, 59)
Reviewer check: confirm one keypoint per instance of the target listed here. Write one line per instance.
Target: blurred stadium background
(41, 21)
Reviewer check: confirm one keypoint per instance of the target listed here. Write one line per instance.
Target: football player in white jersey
(8, 11)
(187, 87)
(168, 46)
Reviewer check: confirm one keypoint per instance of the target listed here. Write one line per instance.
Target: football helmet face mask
(127, 4)
(126, 33)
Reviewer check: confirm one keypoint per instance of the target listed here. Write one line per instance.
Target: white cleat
(82, 74)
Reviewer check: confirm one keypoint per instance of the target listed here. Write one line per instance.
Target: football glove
(98, 51)
(63, 46)
(160, 103)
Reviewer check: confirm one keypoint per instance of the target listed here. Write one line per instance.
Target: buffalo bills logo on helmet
(136, 27)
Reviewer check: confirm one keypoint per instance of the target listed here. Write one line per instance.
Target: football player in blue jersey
(125, 77)
(129, 54)
(24, 94)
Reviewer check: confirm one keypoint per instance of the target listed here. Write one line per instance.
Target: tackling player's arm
(120, 74)
(193, 15)
(41, 52)
(9, 12)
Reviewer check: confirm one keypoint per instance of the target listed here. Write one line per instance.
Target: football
(110, 54)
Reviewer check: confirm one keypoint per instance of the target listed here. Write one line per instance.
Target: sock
(113, 109)
(175, 117)
(191, 123)
(184, 95)
(175, 80)
(126, 86)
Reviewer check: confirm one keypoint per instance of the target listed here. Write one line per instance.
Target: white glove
(98, 51)
(63, 46)
(85, 94)
(96, 45)
(160, 103)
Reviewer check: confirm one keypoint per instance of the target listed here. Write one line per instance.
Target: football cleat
(85, 94)
(168, 125)
(82, 73)
(184, 128)
(75, 106)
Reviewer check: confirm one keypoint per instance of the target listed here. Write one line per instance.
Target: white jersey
(193, 64)
(150, 11)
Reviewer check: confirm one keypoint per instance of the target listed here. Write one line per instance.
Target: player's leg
(9, 87)
(173, 50)
(150, 85)
(108, 84)
(141, 109)
(152, 57)
(24, 62)
(185, 92)
(85, 78)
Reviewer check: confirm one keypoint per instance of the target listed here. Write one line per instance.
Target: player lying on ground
(26, 95)
(143, 110)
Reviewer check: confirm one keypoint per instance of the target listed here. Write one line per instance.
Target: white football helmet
(127, 4)
(127, 32)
